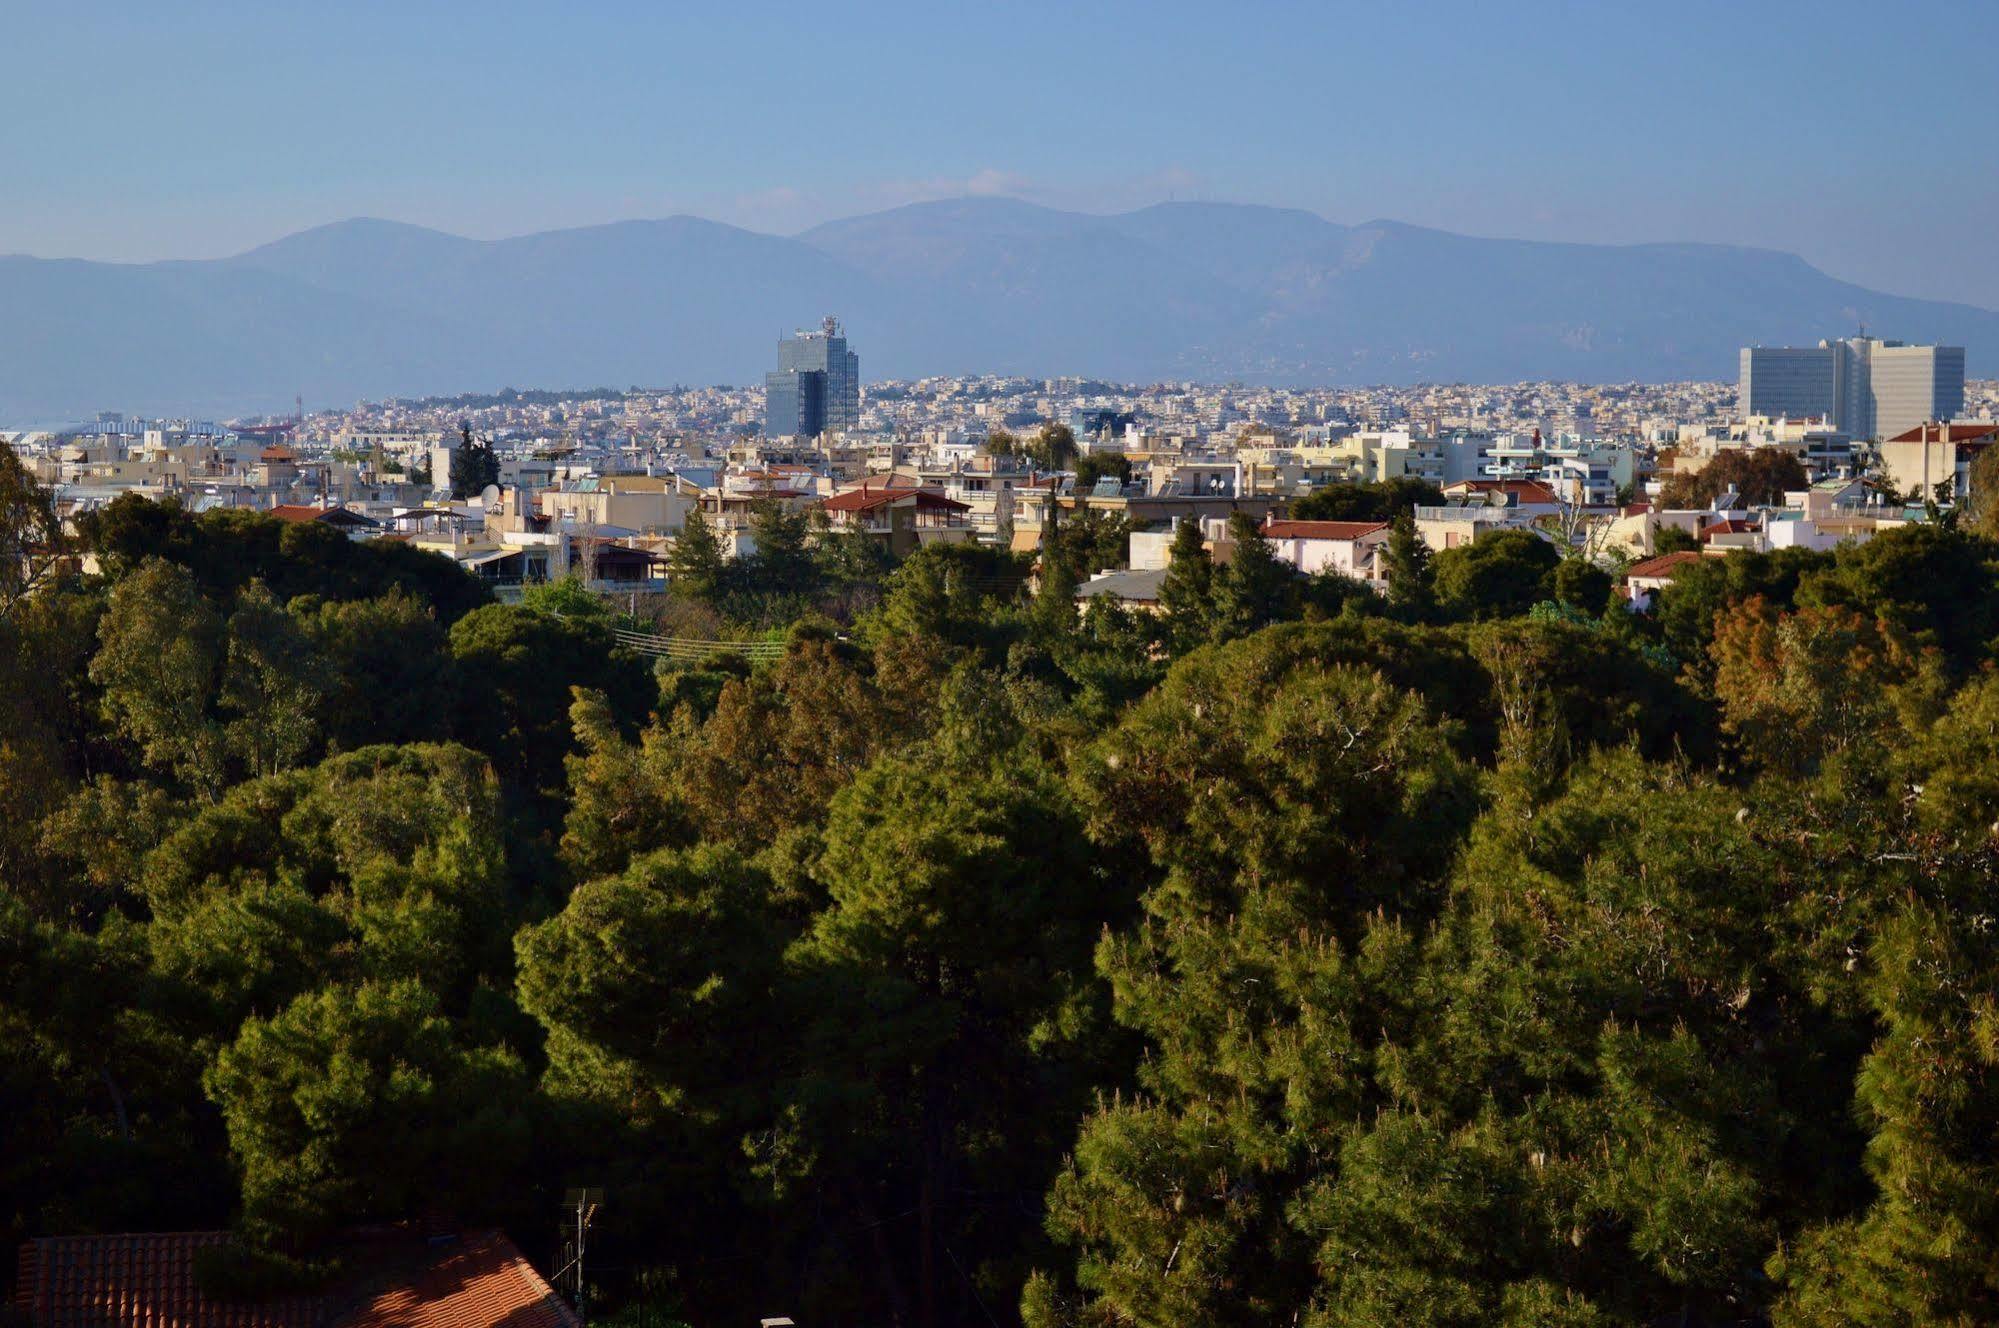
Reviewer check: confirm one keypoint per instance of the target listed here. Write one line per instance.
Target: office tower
(1794, 382)
(1913, 385)
(817, 385)
(1867, 387)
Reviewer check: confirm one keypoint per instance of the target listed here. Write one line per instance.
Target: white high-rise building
(1864, 386)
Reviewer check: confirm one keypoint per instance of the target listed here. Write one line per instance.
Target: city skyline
(1541, 124)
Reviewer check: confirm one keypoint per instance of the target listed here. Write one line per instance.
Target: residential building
(1916, 460)
(901, 518)
(1643, 581)
(1346, 547)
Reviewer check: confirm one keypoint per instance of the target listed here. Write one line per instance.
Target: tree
(228, 548)
(1918, 1246)
(952, 592)
(1097, 465)
(656, 980)
(1498, 575)
(32, 544)
(383, 863)
(782, 742)
(365, 1105)
(1406, 568)
(159, 660)
(1582, 585)
(622, 796)
(1674, 539)
(1800, 688)
(1186, 593)
(474, 465)
(850, 562)
(694, 564)
(1760, 476)
(271, 686)
(1053, 447)
(782, 564)
(1386, 500)
(516, 667)
(1980, 507)
(946, 1021)
(1000, 443)
(386, 670)
(1091, 541)
(1259, 974)
(1254, 588)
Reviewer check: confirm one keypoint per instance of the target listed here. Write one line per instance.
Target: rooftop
(1321, 530)
(148, 1281)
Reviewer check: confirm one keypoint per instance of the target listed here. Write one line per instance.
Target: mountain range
(1202, 291)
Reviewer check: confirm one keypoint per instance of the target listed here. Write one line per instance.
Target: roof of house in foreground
(148, 1281)
(1322, 530)
(1665, 566)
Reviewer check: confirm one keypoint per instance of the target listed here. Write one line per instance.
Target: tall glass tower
(817, 385)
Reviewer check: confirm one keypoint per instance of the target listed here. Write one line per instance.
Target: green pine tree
(1406, 568)
(694, 565)
(1186, 593)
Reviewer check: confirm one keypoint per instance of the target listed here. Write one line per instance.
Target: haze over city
(149, 132)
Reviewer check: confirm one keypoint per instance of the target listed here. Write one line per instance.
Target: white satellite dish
(489, 496)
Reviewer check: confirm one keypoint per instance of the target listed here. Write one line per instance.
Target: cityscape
(1049, 667)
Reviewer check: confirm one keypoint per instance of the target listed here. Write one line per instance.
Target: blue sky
(142, 131)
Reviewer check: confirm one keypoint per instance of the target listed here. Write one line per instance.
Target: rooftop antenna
(579, 1211)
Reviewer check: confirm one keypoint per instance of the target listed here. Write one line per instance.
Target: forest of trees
(1477, 955)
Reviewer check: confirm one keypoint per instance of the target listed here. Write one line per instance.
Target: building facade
(816, 387)
(1864, 387)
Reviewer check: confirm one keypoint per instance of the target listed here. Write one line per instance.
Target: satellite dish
(489, 496)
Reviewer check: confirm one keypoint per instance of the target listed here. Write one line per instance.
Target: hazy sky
(165, 129)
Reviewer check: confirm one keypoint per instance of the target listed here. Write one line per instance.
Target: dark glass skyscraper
(817, 385)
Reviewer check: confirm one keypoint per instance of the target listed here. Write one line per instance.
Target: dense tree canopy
(1480, 953)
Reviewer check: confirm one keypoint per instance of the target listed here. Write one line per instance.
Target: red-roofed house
(901, 517)
(1917, 460)
(351, 524)
(149, 1281)
(1531, 497)
(1346, 547)
(483, 1283)
(1643, 580)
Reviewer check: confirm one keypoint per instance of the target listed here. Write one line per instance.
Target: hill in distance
(1206, 291)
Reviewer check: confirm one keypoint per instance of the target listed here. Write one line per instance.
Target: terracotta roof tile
(1947, 433)
(485, 1283)
(1665, 565)
(1322, 530)
(147, 1281)
(140, 1281)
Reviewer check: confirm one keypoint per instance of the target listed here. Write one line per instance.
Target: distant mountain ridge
(370, 308)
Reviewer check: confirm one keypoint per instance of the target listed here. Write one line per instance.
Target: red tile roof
(1321, 530)
(1730, 527)
(483, 1283)
(338, 516)
(866, 499)
(1523, 491)
(1948, 433)
(1664, 566)
(147, 1281)
(140, 1281)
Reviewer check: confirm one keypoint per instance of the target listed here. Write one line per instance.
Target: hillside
(369, 308)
